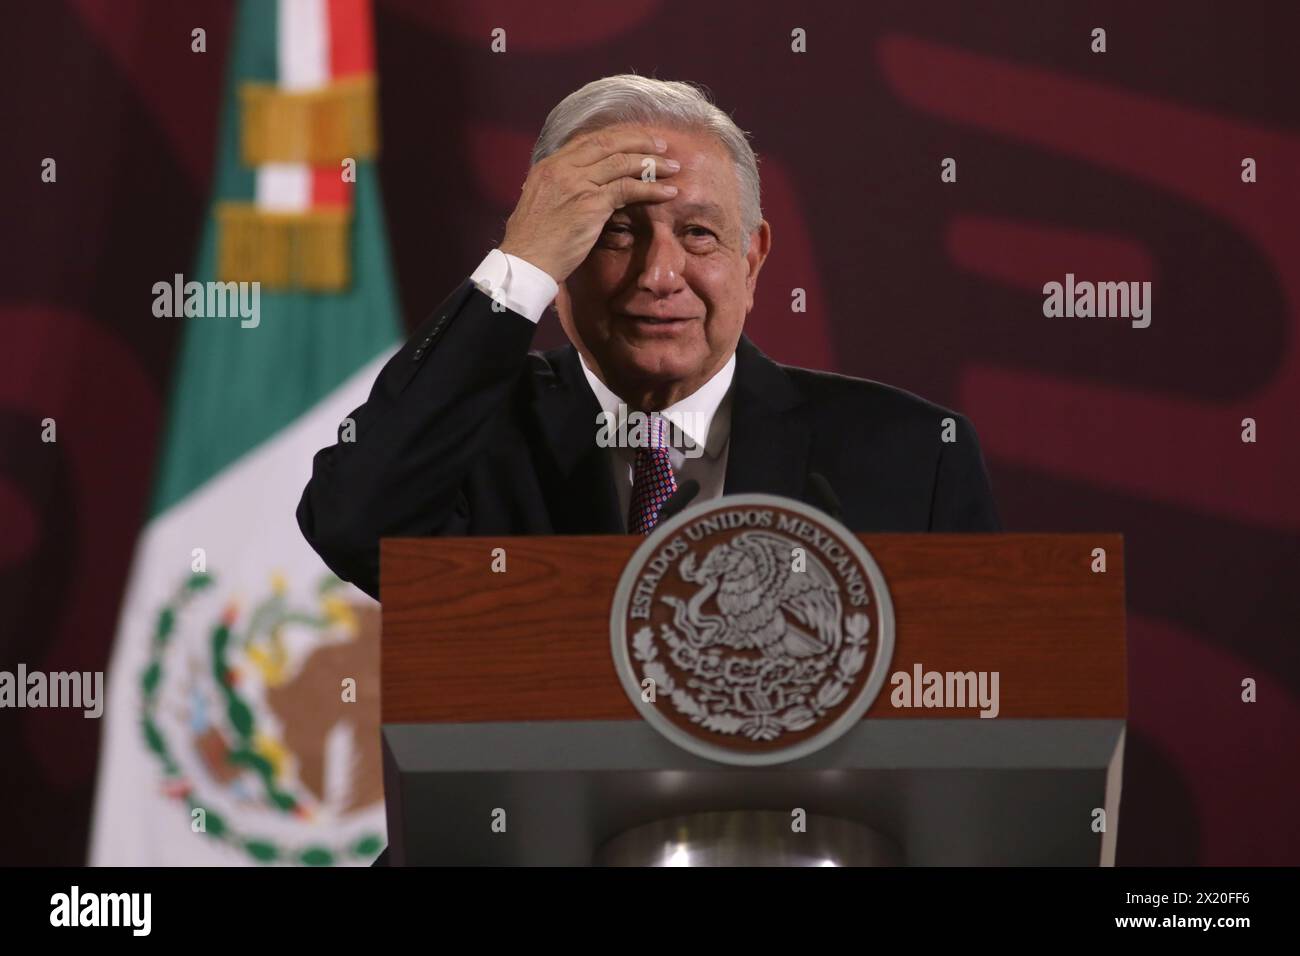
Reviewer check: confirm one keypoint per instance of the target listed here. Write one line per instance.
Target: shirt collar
(704, 416)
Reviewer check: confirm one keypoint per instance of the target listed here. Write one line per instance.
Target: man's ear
(760, 244)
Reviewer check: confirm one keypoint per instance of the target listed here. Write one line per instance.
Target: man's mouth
(656, 320)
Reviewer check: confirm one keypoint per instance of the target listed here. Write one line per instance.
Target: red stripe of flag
(328, 187)
(351, 53)
(352, 41)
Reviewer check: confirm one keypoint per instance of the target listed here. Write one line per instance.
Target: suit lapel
(770, 441)
(578, 484)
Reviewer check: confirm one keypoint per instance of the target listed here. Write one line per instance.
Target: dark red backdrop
(1117, 166)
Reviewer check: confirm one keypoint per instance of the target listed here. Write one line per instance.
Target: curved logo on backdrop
(752, 629)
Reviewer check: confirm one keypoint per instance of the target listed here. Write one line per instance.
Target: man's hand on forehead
(569, 196)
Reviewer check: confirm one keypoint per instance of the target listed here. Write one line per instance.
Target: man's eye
(617, 235)
(699, 231)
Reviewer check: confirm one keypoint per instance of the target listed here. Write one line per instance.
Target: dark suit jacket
(468, 433)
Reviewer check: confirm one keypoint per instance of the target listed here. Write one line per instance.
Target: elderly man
(641, 220)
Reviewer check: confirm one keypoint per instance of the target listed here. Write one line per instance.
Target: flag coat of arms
(242, 716)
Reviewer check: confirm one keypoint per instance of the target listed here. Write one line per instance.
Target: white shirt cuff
(516, 283)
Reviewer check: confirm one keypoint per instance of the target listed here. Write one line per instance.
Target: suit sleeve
(416, 437)
(963, 498)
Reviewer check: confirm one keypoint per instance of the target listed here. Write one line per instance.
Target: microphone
(821, 496)
(678, 500)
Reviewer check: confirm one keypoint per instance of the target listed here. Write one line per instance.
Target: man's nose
(661, 273)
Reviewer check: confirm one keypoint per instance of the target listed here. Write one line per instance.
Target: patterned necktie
(653, 481)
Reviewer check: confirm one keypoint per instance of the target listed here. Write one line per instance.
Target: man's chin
(648, 363)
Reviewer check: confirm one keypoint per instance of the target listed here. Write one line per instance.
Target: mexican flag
(242, 715)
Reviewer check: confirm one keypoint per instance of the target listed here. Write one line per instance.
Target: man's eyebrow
(704, 208)
(701, 208)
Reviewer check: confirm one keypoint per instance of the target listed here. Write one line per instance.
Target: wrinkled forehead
(708, 183)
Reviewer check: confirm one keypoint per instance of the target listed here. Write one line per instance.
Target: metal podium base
(947, 792)
(749, 838)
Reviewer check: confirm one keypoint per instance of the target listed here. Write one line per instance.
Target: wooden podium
(500, 702)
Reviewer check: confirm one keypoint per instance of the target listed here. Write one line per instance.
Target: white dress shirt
(519, 285)
(703, 417)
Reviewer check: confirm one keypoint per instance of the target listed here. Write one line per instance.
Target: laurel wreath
(801, 713)
(244, 722)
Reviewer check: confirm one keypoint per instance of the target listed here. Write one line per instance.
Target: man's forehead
(707, 179)
(705, 210)
(702, 207)
(697, 150)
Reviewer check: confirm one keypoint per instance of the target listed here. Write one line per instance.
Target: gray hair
(629, 98)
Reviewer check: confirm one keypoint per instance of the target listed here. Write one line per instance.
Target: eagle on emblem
(764, 603)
